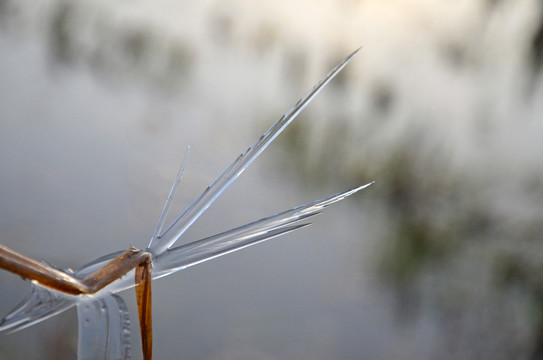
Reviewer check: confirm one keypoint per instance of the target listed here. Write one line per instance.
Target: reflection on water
(442, 108)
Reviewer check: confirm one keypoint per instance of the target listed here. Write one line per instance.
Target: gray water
(442, 107)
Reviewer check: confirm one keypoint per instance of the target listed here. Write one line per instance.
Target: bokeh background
(443, 107)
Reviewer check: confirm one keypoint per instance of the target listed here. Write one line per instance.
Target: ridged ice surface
(104, 329)
(39, 304)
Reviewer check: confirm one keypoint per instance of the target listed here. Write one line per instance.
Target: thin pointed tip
(363, 186)
(353, 53)
(345, 194)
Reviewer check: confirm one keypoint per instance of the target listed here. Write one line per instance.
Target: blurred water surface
(442, 108)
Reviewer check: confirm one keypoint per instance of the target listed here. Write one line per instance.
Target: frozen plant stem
(103, 320)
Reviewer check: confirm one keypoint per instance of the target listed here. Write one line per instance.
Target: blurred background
(443, 108)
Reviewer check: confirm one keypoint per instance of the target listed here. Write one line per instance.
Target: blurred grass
(435, 110)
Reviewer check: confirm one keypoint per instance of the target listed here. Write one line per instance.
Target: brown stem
(144, 300)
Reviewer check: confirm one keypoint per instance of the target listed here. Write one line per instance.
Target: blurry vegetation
(440, 231)
(313, 160)
(537, 41)
(431, 212)
(416, 238)
(411, 247)
(137, 44)
(80, 34)
(519, 273)
(11, 15)
(295, 66)
(383, 98)
(537, 46)
(266, 37)
(60, 40)
(222, 28)
(442, 227)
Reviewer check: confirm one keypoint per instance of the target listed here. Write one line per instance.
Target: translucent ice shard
(241, 237)
(213, 191)
(39, 304)
(104, 329)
